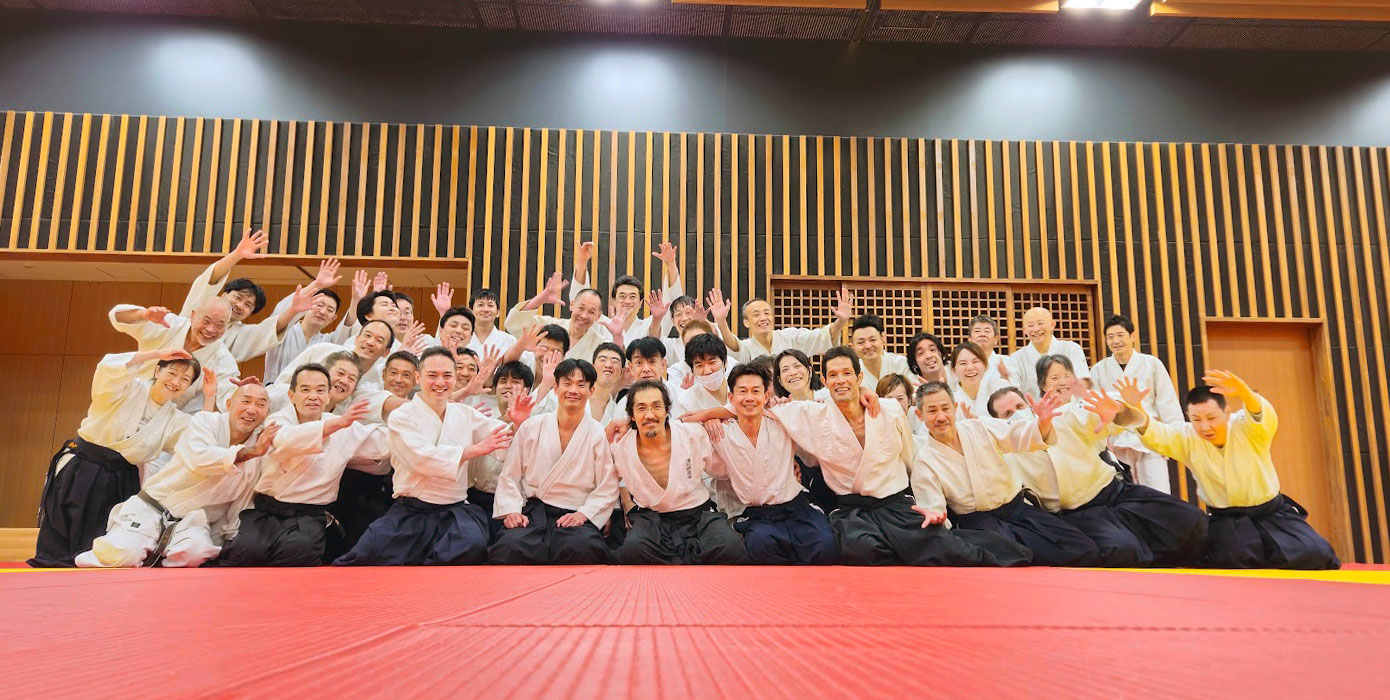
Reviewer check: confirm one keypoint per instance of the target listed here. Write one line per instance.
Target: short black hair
(625, 281)
(589, 290)
(554, 331)
(613, 348)
(465, 351)
(984, 318)
(706, 345)
(309, 367)
(867, 321)
(190, 362)
(241, 284)
(989, 405)
(682, 300)
(891, 381)
(437, 351)
(390, 332)
(482, 294)
(647, 348)
(1203, 394)
(342, 356)
(402, 296)
(927, 390)
(365, 304)
(515, 370)
(841, 351)
(1118, 320)
(1045, 363)
(814, 384)
(923, 337)
(458, 311)
(643, 386)
(756, 369)
(337, 300)
(574, 364)
(403, 356)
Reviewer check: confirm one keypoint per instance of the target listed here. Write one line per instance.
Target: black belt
(166, 530)
(283, 509)
(854, 500)
(683, 514)
(777, 512)
(1267, 508)
(420, 506)
(98, 453)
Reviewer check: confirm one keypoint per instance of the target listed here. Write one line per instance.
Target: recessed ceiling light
(1100, 4)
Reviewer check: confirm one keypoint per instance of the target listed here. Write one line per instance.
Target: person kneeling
(558, 487)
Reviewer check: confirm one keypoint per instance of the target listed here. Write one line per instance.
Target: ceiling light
(1100, 4)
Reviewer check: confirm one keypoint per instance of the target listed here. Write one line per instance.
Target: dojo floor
(706, 632)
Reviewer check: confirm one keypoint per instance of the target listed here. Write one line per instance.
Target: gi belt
(166, 530)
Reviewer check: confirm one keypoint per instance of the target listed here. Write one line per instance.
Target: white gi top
(1239, 475)
(1162, 402)
(1075, 456)
(809, 341)
(690, 461)
(639, 327)
(498, 338)
(427, 453)
(304, 467)
(243, 340)
(203, 473)
(979, 405)
(761, 472)
(876, 469)
(123, 418)
(152, 336)
(979, 479)
(1024, 363)
(580, 348)
(893, 363)
(317, 352)
(580, 478)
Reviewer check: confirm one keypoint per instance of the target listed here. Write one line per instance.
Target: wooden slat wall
(1171, 232)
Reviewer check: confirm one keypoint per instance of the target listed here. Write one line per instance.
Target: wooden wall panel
(1168, 233)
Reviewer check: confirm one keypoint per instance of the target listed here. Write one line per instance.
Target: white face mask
(711, 382)
(1022, 414)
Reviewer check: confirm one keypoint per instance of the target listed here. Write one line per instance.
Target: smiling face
(928, 357)
(242, 303)
(509, 388)
(485, 310)
(653, 368)
(1037, 325)
(209, 321)
(749, 396)
(938, 413)
(609, 367)
(682, 314)
(573, 390)
(322, 311)
(648, 412)
(793, 375)
(247, 407)
(465, 368)
(399, 377)
(1119, 341)
(626, 298)
(437, 378)
(405, 315)
(584, 313)
(984, 335)
(342, 376)
(969, 367)
(842, 380)
(757, 315)
(171, 380)
(1210, 421)
(456, 332)
(867, 342)
(373, 341)
(384, 308)
(310, 395)
(1059, 382)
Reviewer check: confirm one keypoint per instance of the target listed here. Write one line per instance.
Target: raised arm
(251, 247)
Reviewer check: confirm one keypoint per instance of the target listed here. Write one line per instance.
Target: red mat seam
(399, 629)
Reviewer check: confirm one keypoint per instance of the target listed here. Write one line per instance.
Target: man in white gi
(866, 336)
(1160, 401)
(625, 295)
(583, 326)
(200, 334)
(1038, 327)
(765, 339)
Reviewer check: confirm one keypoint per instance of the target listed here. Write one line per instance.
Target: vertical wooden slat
(698, 291)
(1150, 292)
(612, 206)
(733, 220)
(666, 193)
(839, 220)
(1177, 340)
(749, 273)
(488, 233)
(1276, 192)
(417, 182)
(719, 212)
(854, 206)
(562, 151)
(647, 218)
(1296, 226)
(399, 190)
(41, 177)
(21, 177)
(214, 179)
(991, 233)
(252, 154)
(542, 218)
(344, 161)
(78, 189)
(1026, 230)
(1268, 273)
(1006, 179)
(1339, 308)
(768, 206)
(1161, 227)
(1381, 371)
(150, 217)
(287, 197)
(383, 139)
(801, 191)
(523, 240)
(1095, 213)
(699, 211)
(872, 197)
(974, 211)
(1194, 226)
(786, 204)
(1251, 307)
(97, 186)
(632, 200)
(195, 166)
(5, 146)
(361, 222)
(470, 207)
(229, 207)
(888, 205)
(434, 189)
(940, 208)
(1042, 208)
(578, 196)
(594, 198)
(1232, 266)
(1110, 220)
(306, 189)
(1127, 208)
(170, 217)
(504, 286)
(1077, 271)
(60, 180)
(921, 206)
(820, 204)
(906, 210)
(1372, 299)
(955, 209)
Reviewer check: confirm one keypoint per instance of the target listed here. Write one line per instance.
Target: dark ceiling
(873, 24)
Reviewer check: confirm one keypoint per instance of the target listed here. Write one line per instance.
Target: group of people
(612, 437)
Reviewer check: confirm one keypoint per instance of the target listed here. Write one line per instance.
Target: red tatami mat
(706, 632)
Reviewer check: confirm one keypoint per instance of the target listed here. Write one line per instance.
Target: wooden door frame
(1332, 418)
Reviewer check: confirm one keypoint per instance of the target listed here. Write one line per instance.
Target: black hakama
(699, 535)
(77, 500)
(1274, 534)
(362, 499)
(1052, 540)
(794, 532)
(275, 533)
(887, 532)
(1135, 525)
(820, 493)
(484, 500)
(414, 533)
(542, 541)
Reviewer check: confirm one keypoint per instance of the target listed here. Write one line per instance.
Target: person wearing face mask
(434, 442)
(926, 358)
(974, 382)
(867, 337)
(246, 298)
(1252, 525)
(1038, 327)
(897, 388)
(583, 326)
(199, 334)
(186, 511)
(678, 372)
(706, 355)
(131, 421)
(1161, 401)
(308, 330)
(625, 295)
(964, 460)
(1132, 525)
(287, 524)
(796, 379)
(558, 486)
(664, 465)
